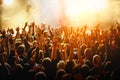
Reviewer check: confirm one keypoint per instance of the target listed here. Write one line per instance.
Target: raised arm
(54, 48)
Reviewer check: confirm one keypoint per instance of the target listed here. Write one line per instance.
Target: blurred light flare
(84, 9)
(8, 2)
(79, 12)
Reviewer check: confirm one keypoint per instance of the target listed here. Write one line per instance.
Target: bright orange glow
(82, 10)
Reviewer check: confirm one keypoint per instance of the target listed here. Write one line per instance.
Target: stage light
(8, 2)
(80, 6)
(73, 7)
(83, 10)
(96, 5)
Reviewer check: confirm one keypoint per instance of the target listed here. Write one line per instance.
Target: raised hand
(18, 29)
(48, 27)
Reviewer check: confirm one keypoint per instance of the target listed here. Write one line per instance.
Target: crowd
(64, 53)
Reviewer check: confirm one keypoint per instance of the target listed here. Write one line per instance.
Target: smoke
(46, 11)
(14, 14)
(50, 12)
(81, 14)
